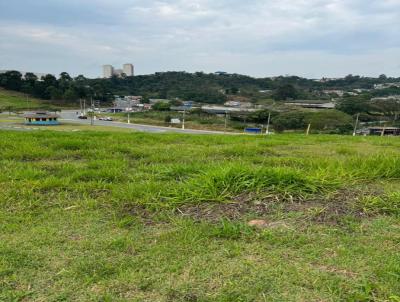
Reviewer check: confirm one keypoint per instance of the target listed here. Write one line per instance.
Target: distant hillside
(17, 100)
(198, 87)
(12, 100)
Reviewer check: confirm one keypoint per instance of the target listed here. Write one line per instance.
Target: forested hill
(201, 87)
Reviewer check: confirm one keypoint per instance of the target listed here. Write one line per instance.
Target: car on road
(82, 117)
(105, 118)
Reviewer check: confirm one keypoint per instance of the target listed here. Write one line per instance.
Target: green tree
(31, 78)
(286, 92)
(389, 107)
(71, 94)
(289, 121)
(65, 81)
(260, 116)
(161, 106)
(50, 80)
(54, 93)
(353, 106)
(12, 80)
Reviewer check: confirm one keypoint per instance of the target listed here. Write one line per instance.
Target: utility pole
(308, 129)
(355, 126)
(268, 122)
(226, 121)
(92, 112)
(183, 120)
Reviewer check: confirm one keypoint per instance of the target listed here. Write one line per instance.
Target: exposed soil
(145, 215)
(329, 209)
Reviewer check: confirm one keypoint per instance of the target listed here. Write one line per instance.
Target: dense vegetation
(91, 216)
(200, 87)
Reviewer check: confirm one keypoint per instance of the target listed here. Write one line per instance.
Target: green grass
(108, 216)
(15, 101)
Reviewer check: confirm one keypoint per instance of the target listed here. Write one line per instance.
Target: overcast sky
(311, 38)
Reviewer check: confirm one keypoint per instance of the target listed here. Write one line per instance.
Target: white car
(106, 118)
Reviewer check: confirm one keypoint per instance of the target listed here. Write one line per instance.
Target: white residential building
(109, 71)
(128, 70)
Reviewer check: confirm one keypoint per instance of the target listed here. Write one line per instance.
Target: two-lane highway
(72, 116)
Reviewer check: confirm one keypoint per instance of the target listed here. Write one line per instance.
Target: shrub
(161, 106)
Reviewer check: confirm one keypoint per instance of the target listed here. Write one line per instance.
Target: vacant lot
(100, 216)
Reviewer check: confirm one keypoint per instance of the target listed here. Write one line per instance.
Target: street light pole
(92, 112)
(183, 120)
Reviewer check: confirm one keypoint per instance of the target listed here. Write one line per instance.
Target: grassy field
(14, 101)
(17, 100)
(101, 216)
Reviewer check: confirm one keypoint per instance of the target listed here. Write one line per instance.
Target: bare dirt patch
(327, 209)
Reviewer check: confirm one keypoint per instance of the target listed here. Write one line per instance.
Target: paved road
(71, 116)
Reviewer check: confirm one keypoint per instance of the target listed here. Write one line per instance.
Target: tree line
(198, 87)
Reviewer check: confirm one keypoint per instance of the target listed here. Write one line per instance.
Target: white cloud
(208, 35)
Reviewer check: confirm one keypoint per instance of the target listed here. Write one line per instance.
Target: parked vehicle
(82, 117)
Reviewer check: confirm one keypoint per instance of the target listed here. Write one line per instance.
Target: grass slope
(12, 100)
(97, 216)
(17, 100)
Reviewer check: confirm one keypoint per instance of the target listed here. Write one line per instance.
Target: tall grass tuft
(389, 204)
(223, 183)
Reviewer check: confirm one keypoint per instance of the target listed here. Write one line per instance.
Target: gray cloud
(257, 37)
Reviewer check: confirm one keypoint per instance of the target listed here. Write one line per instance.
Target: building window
(37, 119)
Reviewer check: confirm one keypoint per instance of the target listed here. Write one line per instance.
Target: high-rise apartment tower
(109, 71)
(128, 70)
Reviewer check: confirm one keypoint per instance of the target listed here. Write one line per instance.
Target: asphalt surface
(71, 116)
